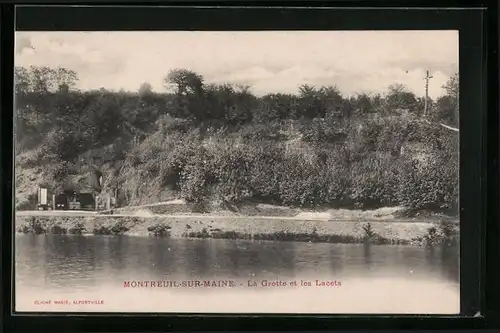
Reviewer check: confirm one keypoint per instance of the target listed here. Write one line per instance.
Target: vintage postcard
(237, 172)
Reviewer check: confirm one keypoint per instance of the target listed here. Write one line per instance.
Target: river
(89, 274)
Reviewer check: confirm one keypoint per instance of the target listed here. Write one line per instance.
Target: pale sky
(269, 61)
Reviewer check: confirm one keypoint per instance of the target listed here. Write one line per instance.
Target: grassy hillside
(221, 144)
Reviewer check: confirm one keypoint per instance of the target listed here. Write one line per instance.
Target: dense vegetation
(205, 142)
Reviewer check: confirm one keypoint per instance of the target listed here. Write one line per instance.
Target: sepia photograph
(284, 172)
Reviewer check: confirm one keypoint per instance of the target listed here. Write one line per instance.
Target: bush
(230, 173)
(430, 186)
(320, 131)
(178, 125)
(374, 181)
(160, 230)
(300, 182)
(264, 177)
(194, 170)
(260, 132)
(365, 135)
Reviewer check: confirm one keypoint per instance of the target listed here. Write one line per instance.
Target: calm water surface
(374, 279)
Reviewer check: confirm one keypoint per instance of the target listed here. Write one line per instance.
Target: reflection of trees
(163, 254)
(412, 256)
(200, 262)
(367, 254)
(235, 259)
(183, 258)
(30, 265)
(336, 258)
(115, 251)
(235, 256)
(178, 264)
(286, 258)
(232, 259)
(444, 259)
(430, 256)
(276, 258)
(253, 259)
(68, 260)
(450, 262)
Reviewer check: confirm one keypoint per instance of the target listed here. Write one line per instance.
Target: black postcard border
(478, 171)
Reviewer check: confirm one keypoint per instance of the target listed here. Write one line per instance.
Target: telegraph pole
(427, 78)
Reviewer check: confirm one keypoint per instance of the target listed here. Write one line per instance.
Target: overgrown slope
(222, 144)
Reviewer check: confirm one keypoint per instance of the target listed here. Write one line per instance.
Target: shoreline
(272, 228)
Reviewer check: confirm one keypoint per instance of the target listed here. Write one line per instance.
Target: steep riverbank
(244, 227)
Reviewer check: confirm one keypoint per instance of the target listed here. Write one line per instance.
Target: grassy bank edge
(354, 232)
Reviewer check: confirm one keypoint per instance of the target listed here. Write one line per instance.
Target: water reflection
(450, 262)
(367, 253)
(54, 261)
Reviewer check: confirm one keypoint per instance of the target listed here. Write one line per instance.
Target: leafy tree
(274, 107)
(190, 95)
(400, 99)
(363, 104)
(22, 80)
(145, 89)
(449, 104)
(310, 103)
(452, 87)
(186, 81)
(65, 79)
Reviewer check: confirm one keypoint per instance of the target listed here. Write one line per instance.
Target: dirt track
(54, 213)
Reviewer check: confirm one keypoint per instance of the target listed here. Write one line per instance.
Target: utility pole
(426, 105)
